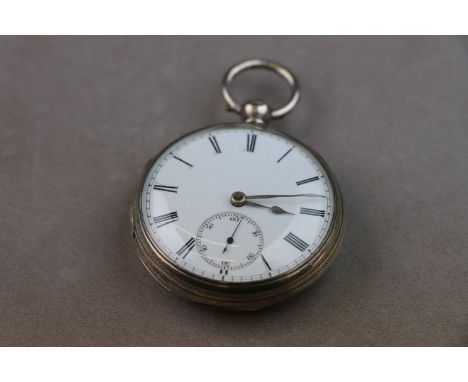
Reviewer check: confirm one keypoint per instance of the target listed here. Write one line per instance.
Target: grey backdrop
(79, 118)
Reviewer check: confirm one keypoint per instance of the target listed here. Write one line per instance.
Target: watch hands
(275, 209)
(210, 242)
(202, 239)
(230, 239)
(283, 196)
(238, 199)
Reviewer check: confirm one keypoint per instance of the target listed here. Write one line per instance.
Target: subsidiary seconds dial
(229, 241)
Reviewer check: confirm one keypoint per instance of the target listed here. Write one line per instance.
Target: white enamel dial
(187, 210)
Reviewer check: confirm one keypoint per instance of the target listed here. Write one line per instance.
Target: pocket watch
(238, 216)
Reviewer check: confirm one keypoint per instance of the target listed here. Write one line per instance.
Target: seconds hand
(230, 239)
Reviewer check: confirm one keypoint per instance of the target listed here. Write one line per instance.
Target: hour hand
(275, 209)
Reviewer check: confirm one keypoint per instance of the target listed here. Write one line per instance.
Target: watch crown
(256, 112)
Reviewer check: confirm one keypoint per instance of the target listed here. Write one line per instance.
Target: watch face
(188, 211)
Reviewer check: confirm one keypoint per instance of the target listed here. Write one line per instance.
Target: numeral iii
(313, 212)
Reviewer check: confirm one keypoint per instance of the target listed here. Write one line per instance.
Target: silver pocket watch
(238, 216)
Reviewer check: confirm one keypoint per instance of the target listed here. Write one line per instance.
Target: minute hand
(283, 196)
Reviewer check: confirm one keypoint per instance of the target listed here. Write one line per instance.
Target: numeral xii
(251, 141)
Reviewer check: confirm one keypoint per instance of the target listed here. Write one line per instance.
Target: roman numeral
(181, 160)
(313, 212)
(215, 145)
(251, 140)
(292, 239)
(225, 268)
(266, 263)
(160, 187)
(188, 246)
(286, 153)
(307, 180)
(171, 217)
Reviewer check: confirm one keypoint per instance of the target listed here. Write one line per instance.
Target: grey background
(79, 118)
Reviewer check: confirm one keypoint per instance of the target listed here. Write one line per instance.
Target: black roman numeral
(215, 145)
(313, 212)
(225, 268)
(251, 140)
(188, 246)
(181, 160)
(292, 239)
(286, 153)
(307, 180)
(266, 263)
(171, 217)
(160, 187)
